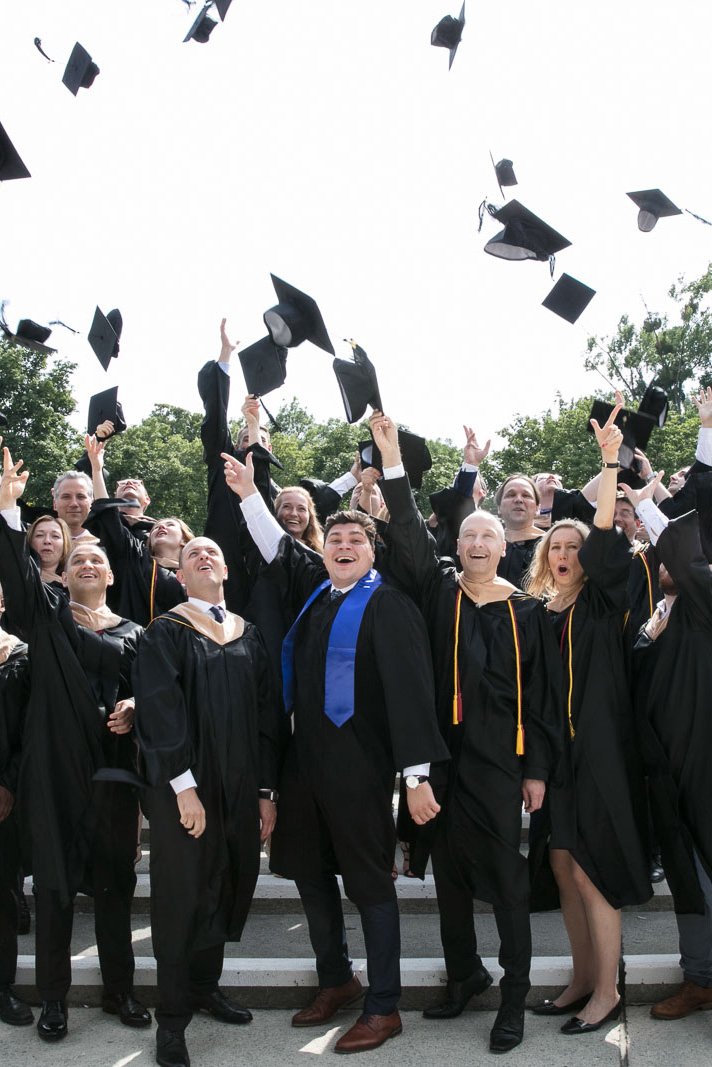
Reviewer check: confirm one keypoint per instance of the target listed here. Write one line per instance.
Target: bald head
(202, 570)
(481, 545)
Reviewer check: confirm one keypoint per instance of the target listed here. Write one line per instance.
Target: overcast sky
(326, 141)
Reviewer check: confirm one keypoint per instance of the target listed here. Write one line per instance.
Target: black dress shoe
(170, 1048)
(13, 1010)
(130, 1011)
(459, 994)
(547, 1007)
(578, 1026)
(52, 1025)
(657, 874)
(221, 1008)
(508, 1029)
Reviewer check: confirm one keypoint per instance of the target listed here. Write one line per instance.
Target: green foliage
(36, 397)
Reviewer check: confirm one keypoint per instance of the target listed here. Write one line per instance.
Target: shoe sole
(348, 1051)
(52, 1037)
(319, 1022)
(136, 1024)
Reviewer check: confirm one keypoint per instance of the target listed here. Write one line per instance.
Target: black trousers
(178, 980)
(381, 931)
(9, 915)
(112, 880)
(457, 929)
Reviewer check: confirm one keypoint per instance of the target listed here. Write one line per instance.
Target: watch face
(412, 781)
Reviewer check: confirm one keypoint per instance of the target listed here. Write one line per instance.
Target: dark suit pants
(9, 916)
(177, 980)
(457, 930)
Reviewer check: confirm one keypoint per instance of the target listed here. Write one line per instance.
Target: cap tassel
(275, 425)
(520, 739)
(552, 264)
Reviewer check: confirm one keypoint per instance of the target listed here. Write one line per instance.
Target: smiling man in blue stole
(358, 678)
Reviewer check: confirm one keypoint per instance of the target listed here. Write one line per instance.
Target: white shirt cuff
(393, 472)
(469, 468)
(264, 528)
(420, 768)
(652, 519)
(704, 445)
(224, 367)
(183, 781)
(12, 518)
(343, 484)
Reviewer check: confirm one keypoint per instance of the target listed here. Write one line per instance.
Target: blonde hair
(186, 532)
(313, 536)
(539, 581)
(64, 530)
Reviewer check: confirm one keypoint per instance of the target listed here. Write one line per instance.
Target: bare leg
(604, 924)
(575, 916)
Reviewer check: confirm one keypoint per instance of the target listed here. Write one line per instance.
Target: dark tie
(217, 612)
(336, 594)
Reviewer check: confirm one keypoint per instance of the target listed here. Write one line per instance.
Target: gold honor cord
(154, 580)
(517, 653)
(571, 673)
(457, 695)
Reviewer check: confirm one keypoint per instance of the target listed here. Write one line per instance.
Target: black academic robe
(694, 495)
(515, 563)
(643, 589)
(14, 694)
(609, 798)
(336, 791)
(673, 678)
(208, 708)
(482, 796)
(76, 678)
(142, 588)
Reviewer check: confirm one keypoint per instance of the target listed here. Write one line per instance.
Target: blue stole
(341, 651)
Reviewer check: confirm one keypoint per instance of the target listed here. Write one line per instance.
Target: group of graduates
(269, 679)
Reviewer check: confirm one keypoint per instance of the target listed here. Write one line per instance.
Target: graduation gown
(336, 791)
(673, 678)
(481, 795)
(209, 708)
(610, 801)
(14, 694)
(76, 678)
(515, 563)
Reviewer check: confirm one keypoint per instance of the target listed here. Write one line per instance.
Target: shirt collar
(205, 605)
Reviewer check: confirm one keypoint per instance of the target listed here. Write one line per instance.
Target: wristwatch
(414, 780)
(269, 794)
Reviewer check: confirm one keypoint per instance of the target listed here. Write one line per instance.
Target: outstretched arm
(609, 439)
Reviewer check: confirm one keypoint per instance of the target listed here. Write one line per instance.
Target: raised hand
(636, 495)
(385, 434)
(95, 451)
(472, 453)
(12, 484)
(104, 430)
(609, 437)
(645, 468)
(226, 349)
(240, 476)
(704, 406)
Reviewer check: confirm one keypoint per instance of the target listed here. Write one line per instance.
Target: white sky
(326, 141)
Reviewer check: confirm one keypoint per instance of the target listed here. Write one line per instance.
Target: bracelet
(611, 466)
(268, 794)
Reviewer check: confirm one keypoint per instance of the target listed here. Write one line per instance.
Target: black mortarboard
(448, 33)
(104, 337)
(80, 71)
(414, 452)
(222, 6)
(295, 318)
(201, 28)
(653, 205)
(358, 383)
(505, 172)
(264, 366)
(568, 298)
(524, 235)
(29, 334)
(636, 429)
(654, 404)
(103, 406)
(11, 166)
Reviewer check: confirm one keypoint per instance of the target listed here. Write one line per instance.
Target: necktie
(217, 612)
(336, 594)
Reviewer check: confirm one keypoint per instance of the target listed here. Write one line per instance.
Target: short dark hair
(352, 518)
(515, 478)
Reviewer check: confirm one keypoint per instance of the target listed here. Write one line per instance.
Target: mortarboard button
(525, 236)
(202, 27)
(414, 452)
(103, 337)
(11, 166)
(569, 298)
(80, 71)
(295, 318)
(505, 172)
(358, 383)
(653, 205)
(103, 406)
(636, 428)
(264, 366)
(448, 33)
(654, 404)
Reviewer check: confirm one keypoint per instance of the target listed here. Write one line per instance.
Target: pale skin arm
(422, 804)
(609, 439)
(192, 812)
(704, 406)
(385, 434)
(240, 476)
(268, 818)
(251, 411)
(636, 495)
(646, 470)
(12, 484)
(533, 790)
(95, 451)
(121, 719)
(226, 348)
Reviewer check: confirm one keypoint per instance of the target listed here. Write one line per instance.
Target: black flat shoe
(52, 1024)
(221, 1008)
(170, 1048)
(130, 1011)
(578, 1026)
(459, 995)
(14, 1011)
(508, 1029)
(548, 1007)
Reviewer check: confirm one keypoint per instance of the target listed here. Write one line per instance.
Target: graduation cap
(524, 235)
(202, 27)
(635, 425)
(103, 406)
(569, 298)
(295, 318)
(654, 404)
(358, 384)
(414, 452)
(222, 6)
(28, 334)
(505, 172)
(11, 166)
(448, 33)
(104, 335)
(80, 71)
(264, 366)
(653, 205)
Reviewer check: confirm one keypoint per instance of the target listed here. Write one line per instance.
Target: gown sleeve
(680, 551)
(161, 715)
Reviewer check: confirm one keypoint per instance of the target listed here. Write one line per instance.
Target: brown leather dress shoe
(691, 997)
(327, 1002)
(369, 1032)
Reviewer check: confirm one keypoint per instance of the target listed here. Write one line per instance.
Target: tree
(37, 401)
